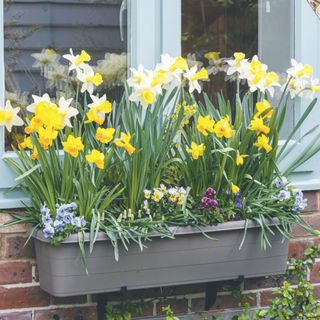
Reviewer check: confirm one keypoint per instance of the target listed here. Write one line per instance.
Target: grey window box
(189, 258)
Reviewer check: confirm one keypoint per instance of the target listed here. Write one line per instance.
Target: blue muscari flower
(48, 231)
(284, 195)
(58, 225)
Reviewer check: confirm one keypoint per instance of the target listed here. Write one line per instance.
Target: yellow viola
(234, 188)
(105, 135)
(73, 145)
(196, 150)
(263, 143)
(97, 158)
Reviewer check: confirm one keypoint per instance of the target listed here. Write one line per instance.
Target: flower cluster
(163, 195)
(64, 220)
(208, 200)
(147, 84)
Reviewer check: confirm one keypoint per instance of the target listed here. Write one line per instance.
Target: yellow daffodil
(98, 109)
(234, 188)
(223, 128)
(77, 61)
(35, 154)
(124, 142)
(83, 57)
(196, 150)
(240, 159)
(47, 136)
(159, 79)
(73, 145)
(49, 115)
(194, 76)
(205, 125)
(89, 78)
(238, 56)
(97, 158)
(105, 135)
(212, 55)
(34, 125)
(26, 143)
(263, 143)
(9, 116)
(179, 63)
(257, 125)
(262, 106)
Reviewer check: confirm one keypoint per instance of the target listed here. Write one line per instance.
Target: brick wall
(22, 299)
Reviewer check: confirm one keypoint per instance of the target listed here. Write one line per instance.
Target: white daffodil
(47, 57)
(77, 62)
(67, 111)
(237, 65)
(299, 71)
(88, 78)
(194, 76)
(37, 100)
(9, 116)
(98, 109)
(139, 76)
(144, 95)
(56, 75)
(17, 98)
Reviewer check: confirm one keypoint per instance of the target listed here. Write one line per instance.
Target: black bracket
(212, 289)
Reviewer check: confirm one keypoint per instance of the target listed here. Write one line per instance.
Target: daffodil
(196, 150)
(105, 135)
(144, 95)
(300, 71)
(35, 154)
(205, 125)
(124, 142)
(194, 76)
(173, 67)
(138, 76)
(212, 55)
(262, 106)
(98, 109)
(47, 136)
(9, 116)
(49, 115)
(238, 64)
(46, 58)
(73, 145)
(36, 100)
(258, 125)
(56, 77)
(89, 78)
(223, 128)
(34, 125)
(26, 143)
(234, 188)
(97, 158)
(66, 111)
(263, 143)
(240, 159)
(77, 62)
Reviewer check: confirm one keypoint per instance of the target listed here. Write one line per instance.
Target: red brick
(297, 247)
(23, 297)
(15, 272)
(69, 300)
(311, 219)
(18, 228)
(178, 306)
(266, 297)
(16, 316)
(313, 200)
(315, 273)
(79, 313)
(15, 246)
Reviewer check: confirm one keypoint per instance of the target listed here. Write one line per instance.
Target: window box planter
(189, 258)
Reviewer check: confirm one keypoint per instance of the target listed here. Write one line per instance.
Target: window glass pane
(48, 29)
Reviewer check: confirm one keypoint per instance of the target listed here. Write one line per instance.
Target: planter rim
(177, 231)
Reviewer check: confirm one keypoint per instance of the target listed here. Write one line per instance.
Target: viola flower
(194, 76)
(105, 135)
(240, 159)
(257, 125)
(157, 195)
(124, 142)
(238, 203)
(223, 128)
(77, 62)
(263, 143)
(147, 193)
(89, 78)
(205, 125)
(96, 157)
(48, 231)
(73, 145)
(284, 195)
(196, 150)
(9, 116)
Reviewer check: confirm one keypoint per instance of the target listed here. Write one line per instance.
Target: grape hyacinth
(208, 201)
